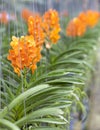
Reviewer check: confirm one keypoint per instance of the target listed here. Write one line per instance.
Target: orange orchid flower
(75, 28)
(89, 18)
(35, 29)
(92, 18)
(51, 25)
(83, 17)
(24, 53)
(3, 17)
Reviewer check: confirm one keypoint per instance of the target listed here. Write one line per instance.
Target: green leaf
(8, 124)
(22, 97)
(39, 113)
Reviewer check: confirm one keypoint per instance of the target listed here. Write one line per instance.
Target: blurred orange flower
(3, 17)
(35, 29)
(89, 18)
(24, 53)
(92, 18)
(83, 17)
(75, 28)
(26, 13)
(51, 25)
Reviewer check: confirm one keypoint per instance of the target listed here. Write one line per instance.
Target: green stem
(24, 79)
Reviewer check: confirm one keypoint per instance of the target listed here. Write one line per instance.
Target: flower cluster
(24, 53)
(77, 26)
(51, 25)
(90, 18)
(26, 50)
(46, 27)
(35, 29)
